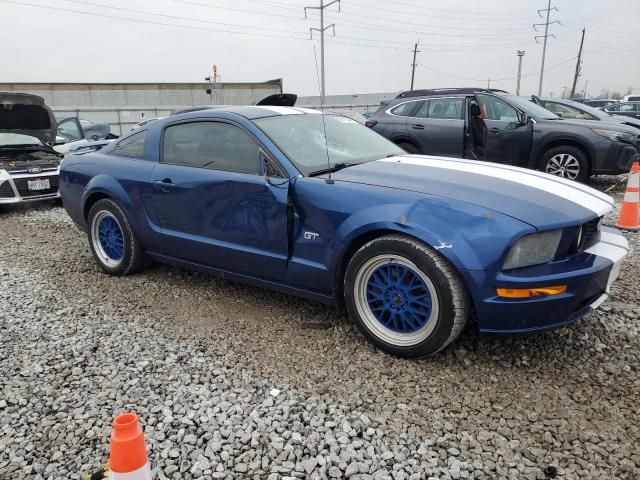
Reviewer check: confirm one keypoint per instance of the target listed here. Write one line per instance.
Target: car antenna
(324, 125)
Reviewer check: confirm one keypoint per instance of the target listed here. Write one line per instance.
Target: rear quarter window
(131, 146)
(406, 109)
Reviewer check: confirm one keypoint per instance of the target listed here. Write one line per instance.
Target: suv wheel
(566, 162)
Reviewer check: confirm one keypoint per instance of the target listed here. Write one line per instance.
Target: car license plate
(38, 184)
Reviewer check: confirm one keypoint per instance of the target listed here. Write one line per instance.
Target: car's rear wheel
(567, 162)
(405, 297)
(112, 241)
(408, 147)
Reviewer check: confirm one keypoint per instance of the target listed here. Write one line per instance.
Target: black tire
(568, 156)
(446, 317)
(408, 147)
(133, 258)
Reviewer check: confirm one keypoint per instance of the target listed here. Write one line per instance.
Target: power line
(269, 14)
(495, 79)
(190, 19)
(151, 22)
(429, 15)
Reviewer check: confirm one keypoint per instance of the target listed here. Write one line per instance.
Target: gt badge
(311, 235)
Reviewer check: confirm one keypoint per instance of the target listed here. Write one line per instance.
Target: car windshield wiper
(334, 168)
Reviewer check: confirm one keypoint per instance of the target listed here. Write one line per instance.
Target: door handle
(165, 185)
(417, 127)
(494, 130)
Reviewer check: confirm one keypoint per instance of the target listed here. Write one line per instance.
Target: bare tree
(615, 95)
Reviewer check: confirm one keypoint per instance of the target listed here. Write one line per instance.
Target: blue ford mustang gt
(322, 207)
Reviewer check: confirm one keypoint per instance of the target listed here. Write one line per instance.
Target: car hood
(589, 124)
(28, 115)
(541, 200)
(628, 120)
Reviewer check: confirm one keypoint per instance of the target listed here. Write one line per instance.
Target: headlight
(533, 249)
(615, 136)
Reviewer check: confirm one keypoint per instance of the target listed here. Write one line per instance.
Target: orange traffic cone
(128, 457)
(629, 218)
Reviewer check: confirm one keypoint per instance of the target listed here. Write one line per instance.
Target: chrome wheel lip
(383, 333)
(97, 244)
(563, 165)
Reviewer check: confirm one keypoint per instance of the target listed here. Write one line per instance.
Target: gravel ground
(232, 381)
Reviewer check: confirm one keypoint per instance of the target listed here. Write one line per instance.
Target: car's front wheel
(405, 297)
(567, 162)
(112, 241)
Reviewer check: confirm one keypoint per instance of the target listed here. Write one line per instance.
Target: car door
(508, 138)
(438, 126)
(213, 202)
(394, 126)
(70, 130)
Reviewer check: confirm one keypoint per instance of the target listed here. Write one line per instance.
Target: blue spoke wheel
(396, 300)
(108, 238)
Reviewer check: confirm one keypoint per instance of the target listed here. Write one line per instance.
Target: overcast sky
(462, 43)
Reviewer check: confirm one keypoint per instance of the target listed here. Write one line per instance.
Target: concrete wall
(123, 105)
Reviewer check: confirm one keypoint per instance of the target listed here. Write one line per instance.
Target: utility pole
(322, 29)
(520, 55)
(584, 94)
(413, 65)
(212, 78)
(545, 36)
(578, 66)
(488, 83)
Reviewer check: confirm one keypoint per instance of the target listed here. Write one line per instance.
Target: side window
(494, 108)
(423, 111)
(626, 107)
(214, 145)
(446, 108)
(132, 146)
(405, 109)
(69, 130)
(613, 108)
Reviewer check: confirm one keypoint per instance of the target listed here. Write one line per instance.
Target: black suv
(503, 128)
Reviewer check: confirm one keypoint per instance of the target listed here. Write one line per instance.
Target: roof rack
(441, 91)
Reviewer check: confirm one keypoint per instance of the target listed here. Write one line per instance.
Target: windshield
(18, 139)
(532, 109)
(586, 108)
(302, 139)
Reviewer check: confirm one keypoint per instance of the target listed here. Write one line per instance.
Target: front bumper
(616, 159)
(589, 277)
(14, 187)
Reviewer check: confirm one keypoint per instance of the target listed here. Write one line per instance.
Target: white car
(29, 167)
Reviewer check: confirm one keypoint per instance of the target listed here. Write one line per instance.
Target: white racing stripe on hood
(564, 181)
(584, 196)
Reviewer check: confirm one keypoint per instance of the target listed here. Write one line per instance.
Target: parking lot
(232, 381)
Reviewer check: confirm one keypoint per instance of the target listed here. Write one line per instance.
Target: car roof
(252, 112)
